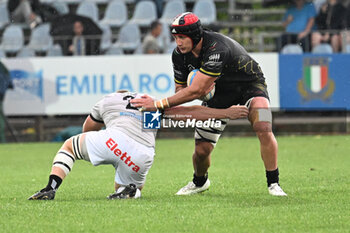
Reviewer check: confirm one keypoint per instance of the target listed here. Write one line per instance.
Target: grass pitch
(314, 171)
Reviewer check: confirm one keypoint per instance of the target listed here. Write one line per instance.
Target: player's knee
(64, 160)
(67, 145)
(266, 137)
(262, 128)
(203, 150)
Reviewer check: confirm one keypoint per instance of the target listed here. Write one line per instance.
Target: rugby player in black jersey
(238, 79)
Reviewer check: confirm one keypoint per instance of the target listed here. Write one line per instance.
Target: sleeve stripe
(179, 82)
(210, 73)
(94, 119)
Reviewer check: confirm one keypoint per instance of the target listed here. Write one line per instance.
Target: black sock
(199, 181)
(54, 183)
(272, 177)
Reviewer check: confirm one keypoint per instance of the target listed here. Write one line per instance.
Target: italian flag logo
(315, 77)
(316, 83)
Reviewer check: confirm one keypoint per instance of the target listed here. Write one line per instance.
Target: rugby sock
(272, 177)
(199, 181)
(54, 183)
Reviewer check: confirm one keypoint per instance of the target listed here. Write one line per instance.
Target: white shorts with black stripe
(210, 134)
(132, 160)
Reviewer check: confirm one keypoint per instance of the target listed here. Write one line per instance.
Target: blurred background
(58, 57)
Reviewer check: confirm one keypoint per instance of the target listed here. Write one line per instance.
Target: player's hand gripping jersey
(116, 112)
(223, 58)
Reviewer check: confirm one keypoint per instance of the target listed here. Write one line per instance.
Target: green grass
(314, 171)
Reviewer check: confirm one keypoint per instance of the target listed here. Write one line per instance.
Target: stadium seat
(129, 37)
(12, 39)
(116, 14)
(26, 52)
(318, 4)
(138, 50)
(100, 1)
(114, 50)
(106, 39)
(61, 7)
(164, 38)
(46, 1)
(171, 47)
(71, 2)
(172, 8)
(322, 49)
(41, 39)
(54, 51)
(206, 11)
(292, 49)
(130, 1)
(347, 48)
(145, 12)
(2, 54)
(88, 9)
(4, 16)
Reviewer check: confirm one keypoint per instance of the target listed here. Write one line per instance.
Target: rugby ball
(190, 79)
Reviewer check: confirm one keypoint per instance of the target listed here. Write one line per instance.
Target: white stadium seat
(88, 9)
(172, 8)
(129, 37)
(145, 12)
(292, 49)
(116, 14)
(12, 39)
(206, 11)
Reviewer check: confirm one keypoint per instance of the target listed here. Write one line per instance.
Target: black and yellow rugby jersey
(220, 57)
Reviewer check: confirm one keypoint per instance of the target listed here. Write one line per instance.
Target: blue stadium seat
(172, 8)
(145, 12)
(164, 39)
(88, 9)
(41, 39)
(106, 39)
(71, 2)
(322, 49)
(138, 50)
(115, 50)
(116, 14)
(171, 47)
(206, 11)
(2, 54)
(100, 1)
(318, 4)
(61, 7)
(26, 52)
(129, 37)
(47, 1)
(12, 39)
(54, 51)
(4, 16)
(347, 48)
(292, 49)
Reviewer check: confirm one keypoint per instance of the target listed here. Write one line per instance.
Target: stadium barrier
(69, 86)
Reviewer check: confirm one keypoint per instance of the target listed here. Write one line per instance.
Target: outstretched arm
(200, 86)
(203, 113)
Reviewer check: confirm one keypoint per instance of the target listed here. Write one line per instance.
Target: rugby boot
(43, 195)
(126, 192)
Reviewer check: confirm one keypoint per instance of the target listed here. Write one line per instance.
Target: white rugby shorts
(131, 159)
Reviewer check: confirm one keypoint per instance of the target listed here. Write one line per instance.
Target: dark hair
(155, 24)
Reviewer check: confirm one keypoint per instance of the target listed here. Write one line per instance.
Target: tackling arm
(203, 113)
(200, 86)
